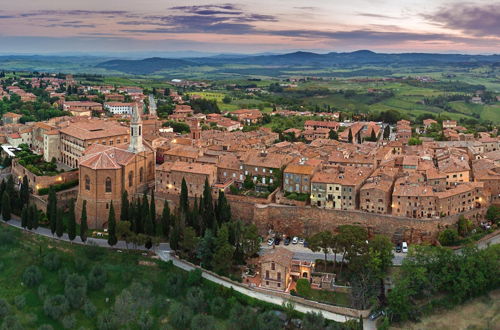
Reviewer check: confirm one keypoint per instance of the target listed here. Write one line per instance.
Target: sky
(128, 26)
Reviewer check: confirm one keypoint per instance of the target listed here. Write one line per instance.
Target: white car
(404, 247)
(295, 240)
(301, 241)
(270, 241)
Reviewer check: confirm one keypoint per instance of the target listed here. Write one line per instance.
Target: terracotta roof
(106, 157)
(279, 255)
(300, 169)
(94, 129)
(12, 115)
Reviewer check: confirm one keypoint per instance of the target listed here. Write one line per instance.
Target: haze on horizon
(97, 26)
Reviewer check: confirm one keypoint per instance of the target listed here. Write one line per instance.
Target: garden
(35, 163)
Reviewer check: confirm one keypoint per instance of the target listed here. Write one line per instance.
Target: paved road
(165, 255)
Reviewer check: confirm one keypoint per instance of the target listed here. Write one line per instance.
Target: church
(106, 171)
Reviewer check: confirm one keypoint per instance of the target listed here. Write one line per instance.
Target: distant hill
(307, 59)
(145, 66)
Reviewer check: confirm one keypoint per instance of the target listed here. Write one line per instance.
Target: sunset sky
(96, 26)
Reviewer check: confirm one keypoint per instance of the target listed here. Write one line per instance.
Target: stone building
(78, 136)
(106, 171)
(275, 269)
(169, 177)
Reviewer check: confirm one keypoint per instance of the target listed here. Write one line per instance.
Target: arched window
(130, 178)
(141, 174)
(87, 182)
(108, 184)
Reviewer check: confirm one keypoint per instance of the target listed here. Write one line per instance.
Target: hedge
(59, 187)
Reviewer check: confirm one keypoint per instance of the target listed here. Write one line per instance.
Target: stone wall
(307, 220)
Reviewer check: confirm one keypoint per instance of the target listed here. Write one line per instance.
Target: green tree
(184, 197)
(24, 192)
(83, 222)
(6, 211)
(124, 212)
(349, 136)
(52, 209)
(351, 241)
(448, 237)
(123, 232)
(321, 241)
(71, 221)
(189, 240)
(248, 183)
(250, 242)
(464, 226)
(148, 228)
(492, 214)
(223, 252)
(165, 220)
(208, 215)
(24, 217)
(333, 135)
(112, 226)
(358, 136)
(205, 249)
(373, 136)
(32, 217)
(59, 223)
(152, 211)
(223, 211)
(387, 132)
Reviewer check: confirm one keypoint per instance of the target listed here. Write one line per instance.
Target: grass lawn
(335, 298)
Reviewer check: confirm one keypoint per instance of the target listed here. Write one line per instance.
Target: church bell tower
(136, 145)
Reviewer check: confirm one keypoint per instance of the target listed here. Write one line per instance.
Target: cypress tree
(24, 217)
(71, 221)
(59, 223)
(373, 137)
(195, 217)
(125, 209)
(223, 208)
(387, 132)
(131, 213)
(145, 214)
(184, 197)
(359, 137)
(165, 220)
(112, 226)
(139, 223)
(13, 194)
(33, 217)
(152, 210)
(3, 186)
(83, 222)
(208, 215)
(52, 209)
(24, 192)
(349, 137)
(6, 210)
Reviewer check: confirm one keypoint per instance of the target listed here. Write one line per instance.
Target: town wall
(307, 220)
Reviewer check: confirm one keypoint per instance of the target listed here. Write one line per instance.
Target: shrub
(145, 321)
(448, 237)
(59, 187)
(203, 322)
(194, 277)
(7, 237)
(69, 321)
(20, 301)
(63, 273)
(45, 327)
(4, 308)
(195, 300)
(218, 307)
(42, 291)
(75, 290)
(180, 316)
(303, 287)
(97, 277)
(174, 284)
(89, 309)
(32, 276)
(52, 261)
(106, 321)
(11, 323)
(55, 306)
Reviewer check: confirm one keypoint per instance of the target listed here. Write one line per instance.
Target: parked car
(295, 240)
(301, 241)
(277, 241)
(270, 241)
(404, 247)
(398, 248)
(287, 240)
(375, 315)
